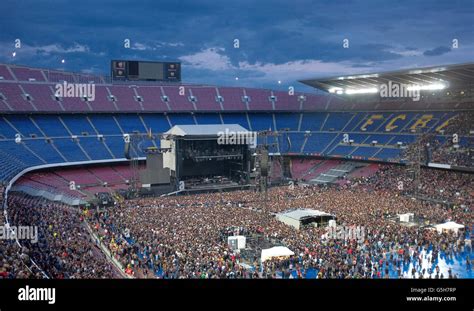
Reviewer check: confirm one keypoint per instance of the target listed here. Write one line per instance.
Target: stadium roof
(204, 130)
(449, 75)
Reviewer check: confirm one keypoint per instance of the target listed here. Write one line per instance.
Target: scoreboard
(146, 71)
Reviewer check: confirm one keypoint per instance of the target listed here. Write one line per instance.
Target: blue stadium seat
(70, 149)
(287, 120)
(208, 118)
(78, 124)
(105, 124)
(95, 148)
(130, 123)
(51, 125)
(181, 119)
(236, 118)
(261, 121)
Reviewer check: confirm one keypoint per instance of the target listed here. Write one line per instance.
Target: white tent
(448, 226)
(277, 251)
(408, 217)
(236, 242)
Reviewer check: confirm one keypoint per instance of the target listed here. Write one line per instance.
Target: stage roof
(204, 130)
(299, 214)
(455, 75)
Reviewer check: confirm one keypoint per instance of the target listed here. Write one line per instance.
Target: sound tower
(264, 163)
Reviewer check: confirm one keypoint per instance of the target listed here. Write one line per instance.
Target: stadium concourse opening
(397, 169)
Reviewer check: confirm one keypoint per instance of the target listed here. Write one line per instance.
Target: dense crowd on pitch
(446, 151)
(185, 237)
(64, 248)
(180, 237)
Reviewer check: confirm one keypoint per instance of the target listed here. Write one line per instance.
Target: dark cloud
(440, 50)
(270, 32)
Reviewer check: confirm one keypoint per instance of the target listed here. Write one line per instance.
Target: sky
(280, 42)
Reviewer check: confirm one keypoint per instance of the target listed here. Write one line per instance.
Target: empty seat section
(358, 138)
(157, 122)
(181, 119)
(261, 121)
(6, 131)
(388, 154)
(80, 176)
(125, 100)
(291, 142)
(42, 97)
(236, 118)
(116, 144)
(342, 150)
(232, 98)
(365, 152)
(74, 104)
(285, 101)
(313, 121)
(152, 98)
(51, 125)
(176, 101)
(208, 118)
(317, 142)
(5, 73)
(70, 150)
(336, 121)
(13, 96)
(78, 124)
(106, 174)
(259, 99)
(287, 120)
(24, 125)
(25, 74)
(206, 98)
(355, 122)
(337, 103)
(58, 76)
(315, 102)
(130, 123)
(105, 124)
(95, 148)
(19, 152)
(102, 102)
(44, 150)
(381, 139)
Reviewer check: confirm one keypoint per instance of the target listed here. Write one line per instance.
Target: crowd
(461, 124)
(439, 185)
(456, 147)
(185, 236)
(64, 248)
(181, 237)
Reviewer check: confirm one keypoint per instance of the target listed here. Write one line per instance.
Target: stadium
(153, 149)
(133, 182)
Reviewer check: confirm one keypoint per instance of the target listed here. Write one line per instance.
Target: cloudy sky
(279, 40)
